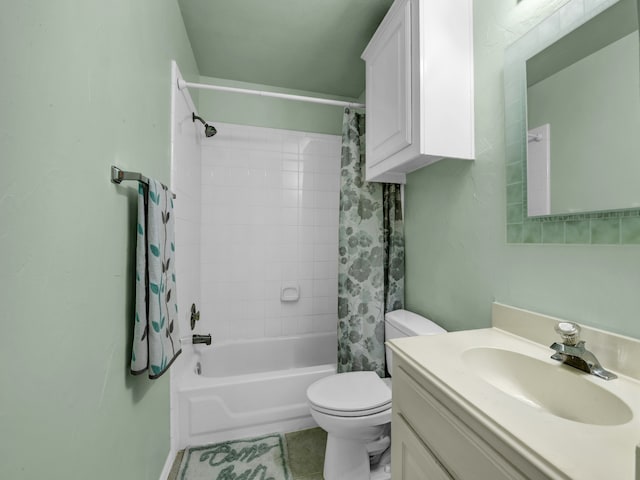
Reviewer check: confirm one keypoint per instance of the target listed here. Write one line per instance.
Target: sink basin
(555, 388)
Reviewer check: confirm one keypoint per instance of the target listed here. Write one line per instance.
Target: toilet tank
(403, 323)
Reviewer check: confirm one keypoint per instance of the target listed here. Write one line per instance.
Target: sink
(552, 387)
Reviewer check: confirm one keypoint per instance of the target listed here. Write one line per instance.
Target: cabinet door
(411, 460)
(389, 89)
(461, 450)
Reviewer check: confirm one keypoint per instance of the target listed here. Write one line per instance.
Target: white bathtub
(251, 387)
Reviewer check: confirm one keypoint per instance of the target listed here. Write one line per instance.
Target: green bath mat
(306, 453)
(260, 458)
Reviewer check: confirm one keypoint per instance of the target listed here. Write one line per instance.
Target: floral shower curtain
(371, 256)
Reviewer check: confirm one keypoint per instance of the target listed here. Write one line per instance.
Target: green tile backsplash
(532, 232)
(514, 213)
(577, 231)
(514, 193)
(630, 230)
(553, 232)
(605, 230)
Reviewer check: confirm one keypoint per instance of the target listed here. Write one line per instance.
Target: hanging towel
(156, 340)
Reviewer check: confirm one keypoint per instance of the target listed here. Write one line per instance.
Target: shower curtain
(371, 256)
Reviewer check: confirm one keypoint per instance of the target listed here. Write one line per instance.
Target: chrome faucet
(573, 352)
(201, 339)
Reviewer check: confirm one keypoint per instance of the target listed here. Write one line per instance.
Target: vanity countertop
(559, 447)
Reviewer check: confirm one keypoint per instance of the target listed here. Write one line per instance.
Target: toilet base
(346, 459)
(382, 469)
(381, 473)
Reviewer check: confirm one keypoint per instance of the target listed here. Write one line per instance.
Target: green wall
(458, 260)
(85, 84)
(259, 111)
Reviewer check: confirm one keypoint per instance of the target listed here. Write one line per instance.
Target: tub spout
(206, 339)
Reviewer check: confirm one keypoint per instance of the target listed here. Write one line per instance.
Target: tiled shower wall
(185, 183)
(269, 219)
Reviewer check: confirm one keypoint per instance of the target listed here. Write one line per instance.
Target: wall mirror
(572, 98)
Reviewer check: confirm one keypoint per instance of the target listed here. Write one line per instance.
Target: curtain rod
(182, 85)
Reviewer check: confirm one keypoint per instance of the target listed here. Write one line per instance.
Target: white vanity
(491, 404)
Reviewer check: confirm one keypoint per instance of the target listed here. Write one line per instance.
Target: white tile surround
(269, 215)
(185, 183)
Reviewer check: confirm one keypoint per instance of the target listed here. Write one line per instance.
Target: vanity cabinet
(433, 437)
(414, 459)
(419, 87)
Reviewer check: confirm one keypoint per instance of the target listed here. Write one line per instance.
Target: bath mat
(260, 458)
(306, 453)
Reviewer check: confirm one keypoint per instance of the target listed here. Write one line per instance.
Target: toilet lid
(351, 394)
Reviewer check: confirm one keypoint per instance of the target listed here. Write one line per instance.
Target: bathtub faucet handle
(206, 339)
(195, 316)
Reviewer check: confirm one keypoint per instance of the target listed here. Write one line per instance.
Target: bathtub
(246, 388)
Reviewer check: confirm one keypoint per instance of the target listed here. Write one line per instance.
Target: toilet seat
(352, 394)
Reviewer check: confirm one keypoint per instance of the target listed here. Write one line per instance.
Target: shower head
(209, 130)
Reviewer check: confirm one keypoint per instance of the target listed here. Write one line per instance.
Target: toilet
(354, 409)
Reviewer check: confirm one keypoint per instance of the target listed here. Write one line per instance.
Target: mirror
(588, 141)
(583, 117)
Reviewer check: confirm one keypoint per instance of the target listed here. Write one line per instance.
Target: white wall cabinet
(419, 91)
(433, 437)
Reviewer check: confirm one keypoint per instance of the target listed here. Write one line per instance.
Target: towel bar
(118, 176)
